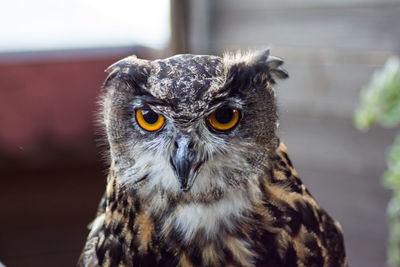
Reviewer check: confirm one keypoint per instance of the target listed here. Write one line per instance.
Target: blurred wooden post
(179, 26)
(190, 26)
(200, 14)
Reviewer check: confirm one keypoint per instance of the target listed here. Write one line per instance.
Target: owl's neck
(160, 226)
(175, 216)
(188, 217)
(187, 213)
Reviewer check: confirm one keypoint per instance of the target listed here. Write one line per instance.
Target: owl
(198, 175)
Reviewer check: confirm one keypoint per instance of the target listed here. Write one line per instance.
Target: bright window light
(28, 25)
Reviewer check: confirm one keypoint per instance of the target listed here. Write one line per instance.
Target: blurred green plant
(380, 104)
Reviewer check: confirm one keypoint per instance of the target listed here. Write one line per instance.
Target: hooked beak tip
(185, 161)
(185, 188)
(186, 181)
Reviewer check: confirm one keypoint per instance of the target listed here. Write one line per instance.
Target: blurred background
(52, 60)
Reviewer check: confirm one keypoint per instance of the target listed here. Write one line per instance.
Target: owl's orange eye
(224, 118)
(149, 120)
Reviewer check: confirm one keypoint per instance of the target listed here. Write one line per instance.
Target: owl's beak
(184, 162)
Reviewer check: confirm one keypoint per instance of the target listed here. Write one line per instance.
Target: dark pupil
(150, 116)
(224, 115)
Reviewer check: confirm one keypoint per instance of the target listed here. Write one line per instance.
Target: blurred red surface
(49, 102)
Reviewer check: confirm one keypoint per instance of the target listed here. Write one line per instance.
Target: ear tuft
(123, 63)
(131, 70)
(271, 64)
(259, 66)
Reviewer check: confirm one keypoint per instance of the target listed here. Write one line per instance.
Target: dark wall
(51, 170)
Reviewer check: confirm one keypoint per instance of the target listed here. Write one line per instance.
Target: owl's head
(191, 124)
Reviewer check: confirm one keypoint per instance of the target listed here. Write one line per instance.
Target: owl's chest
(203, 234)
(216, 234)
(196, 222)
(191, 220)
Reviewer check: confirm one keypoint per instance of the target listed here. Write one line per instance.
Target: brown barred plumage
(246, 205)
